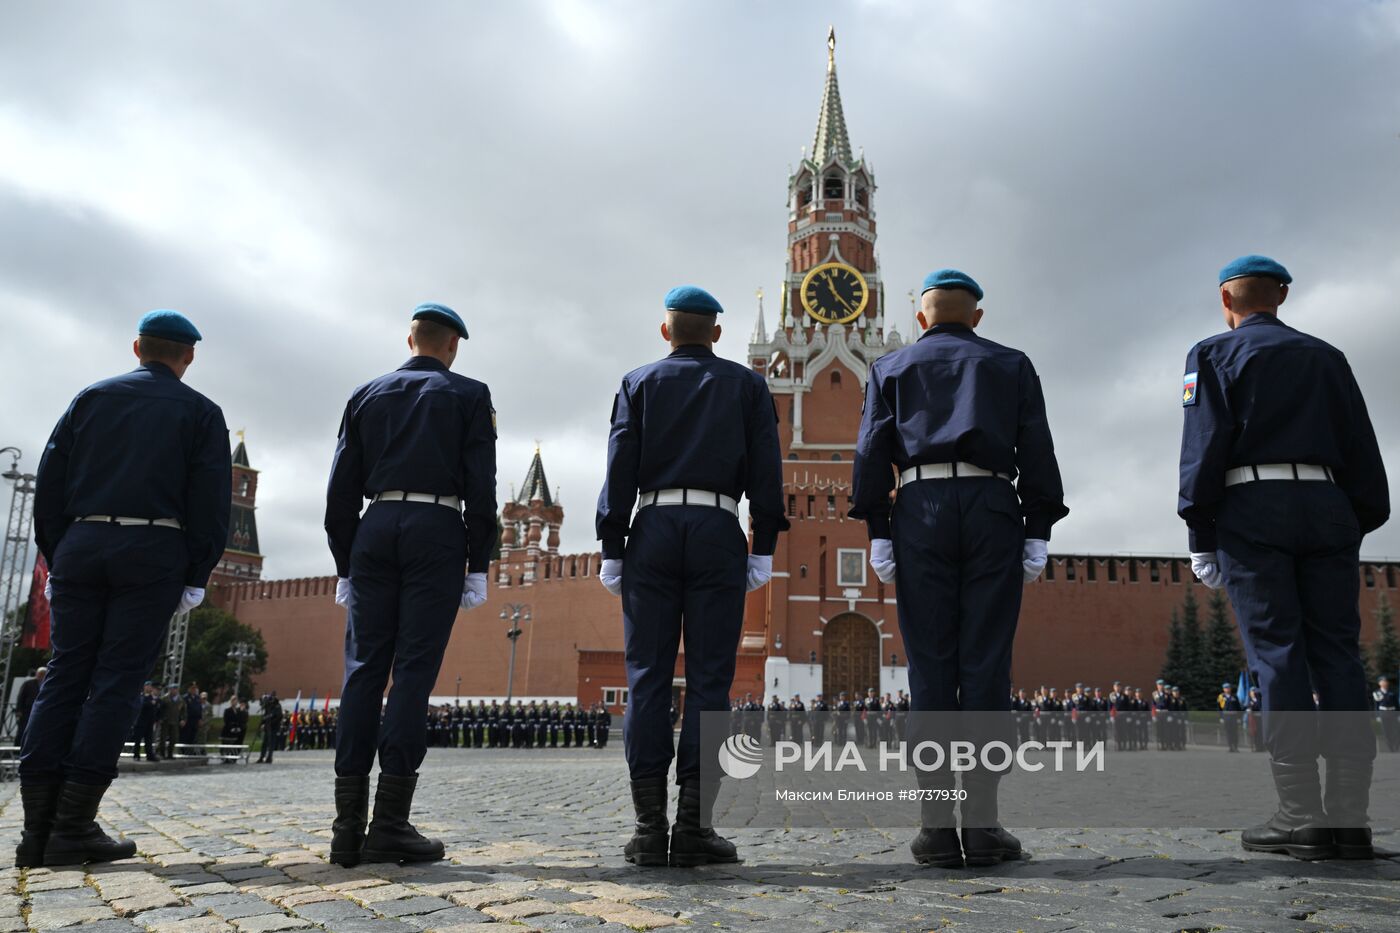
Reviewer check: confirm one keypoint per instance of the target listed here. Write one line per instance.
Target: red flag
(36, 619)
(328, 703)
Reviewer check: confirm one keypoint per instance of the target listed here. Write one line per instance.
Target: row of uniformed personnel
(1280, 477)
(536, 725)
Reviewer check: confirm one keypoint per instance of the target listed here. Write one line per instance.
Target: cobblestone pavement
(534, 842)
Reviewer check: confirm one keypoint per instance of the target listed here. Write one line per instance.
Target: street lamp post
(14, 560)
(240, 652)
(515, 613)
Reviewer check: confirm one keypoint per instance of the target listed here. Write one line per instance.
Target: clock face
(834, 293)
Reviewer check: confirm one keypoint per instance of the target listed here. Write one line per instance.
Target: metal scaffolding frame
(14, 569)
(175, 640)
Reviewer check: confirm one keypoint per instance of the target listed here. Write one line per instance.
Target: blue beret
(1255, 265)
(692, 298)
(169, 325)
(952, 278)
(441, 314)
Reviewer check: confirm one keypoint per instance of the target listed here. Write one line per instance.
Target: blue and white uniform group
(960, 421)
(1281, 477)
(955, 475)
(131, 511)
(691, 434)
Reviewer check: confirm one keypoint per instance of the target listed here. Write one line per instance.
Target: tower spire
(831, 138)
(535, 485)
(760, 332)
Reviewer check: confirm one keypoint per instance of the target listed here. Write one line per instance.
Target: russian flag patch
(1188, 389)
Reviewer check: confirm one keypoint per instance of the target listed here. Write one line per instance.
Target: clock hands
(831, 287)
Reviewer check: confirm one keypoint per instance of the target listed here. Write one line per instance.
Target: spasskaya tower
(828, 625)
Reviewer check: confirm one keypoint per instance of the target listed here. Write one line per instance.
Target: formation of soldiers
(532, 724)
(954, 475)
(525, 725)
(868, 719)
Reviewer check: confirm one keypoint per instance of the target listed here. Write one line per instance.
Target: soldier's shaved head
(1253, 293)
(949, 306)
(687, 327)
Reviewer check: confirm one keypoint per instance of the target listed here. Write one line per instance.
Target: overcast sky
(296, 177)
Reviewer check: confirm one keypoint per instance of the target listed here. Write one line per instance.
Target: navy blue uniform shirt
(420, 428)
(693, 421)
(139, 445)
(952, 397)
(1266, 393)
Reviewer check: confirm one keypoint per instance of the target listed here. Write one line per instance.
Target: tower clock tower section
(828, 624)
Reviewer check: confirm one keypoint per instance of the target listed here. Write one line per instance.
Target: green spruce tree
(1195, 673)
(1223, 658)
(1385, 650)
(1175, 663)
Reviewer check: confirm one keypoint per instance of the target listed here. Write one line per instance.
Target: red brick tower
(826, 623)
(529, 529)
(241, 560)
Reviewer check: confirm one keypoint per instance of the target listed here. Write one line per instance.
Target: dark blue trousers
(683, 577)
(114, 591)
(957, 550)
(1290, 555)
(406, 571)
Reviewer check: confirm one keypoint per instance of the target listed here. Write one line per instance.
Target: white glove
(882, 558)
(474, 590)
(48, 588)
(610, 575)
(760, 570)
(1206, 567)
(342, 591)
(1033, 557)
(192, 597)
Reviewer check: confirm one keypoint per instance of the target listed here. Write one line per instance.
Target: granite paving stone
(534, 843)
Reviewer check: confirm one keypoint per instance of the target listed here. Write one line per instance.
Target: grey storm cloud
(297, 177)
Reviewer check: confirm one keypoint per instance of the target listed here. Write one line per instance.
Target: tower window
(833, 187)
(836, 379)
(861, 197)
(836, 457)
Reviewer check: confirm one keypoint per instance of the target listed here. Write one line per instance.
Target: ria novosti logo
(740, 756)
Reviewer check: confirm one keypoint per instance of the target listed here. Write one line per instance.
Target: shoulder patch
(1188, 388)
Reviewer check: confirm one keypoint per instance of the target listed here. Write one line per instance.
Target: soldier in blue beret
(961, 421)
(420, 445)
(1281, 477)
(691, 433)
(131, 512)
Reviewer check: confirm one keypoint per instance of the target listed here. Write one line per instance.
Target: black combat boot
(984, 841)
(40, 802)
(1297, 829)
(351, 814)
(392, 837)
(648, 844)
(76, 838)
(1346, 802)
(693, 840)
(937, 843)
